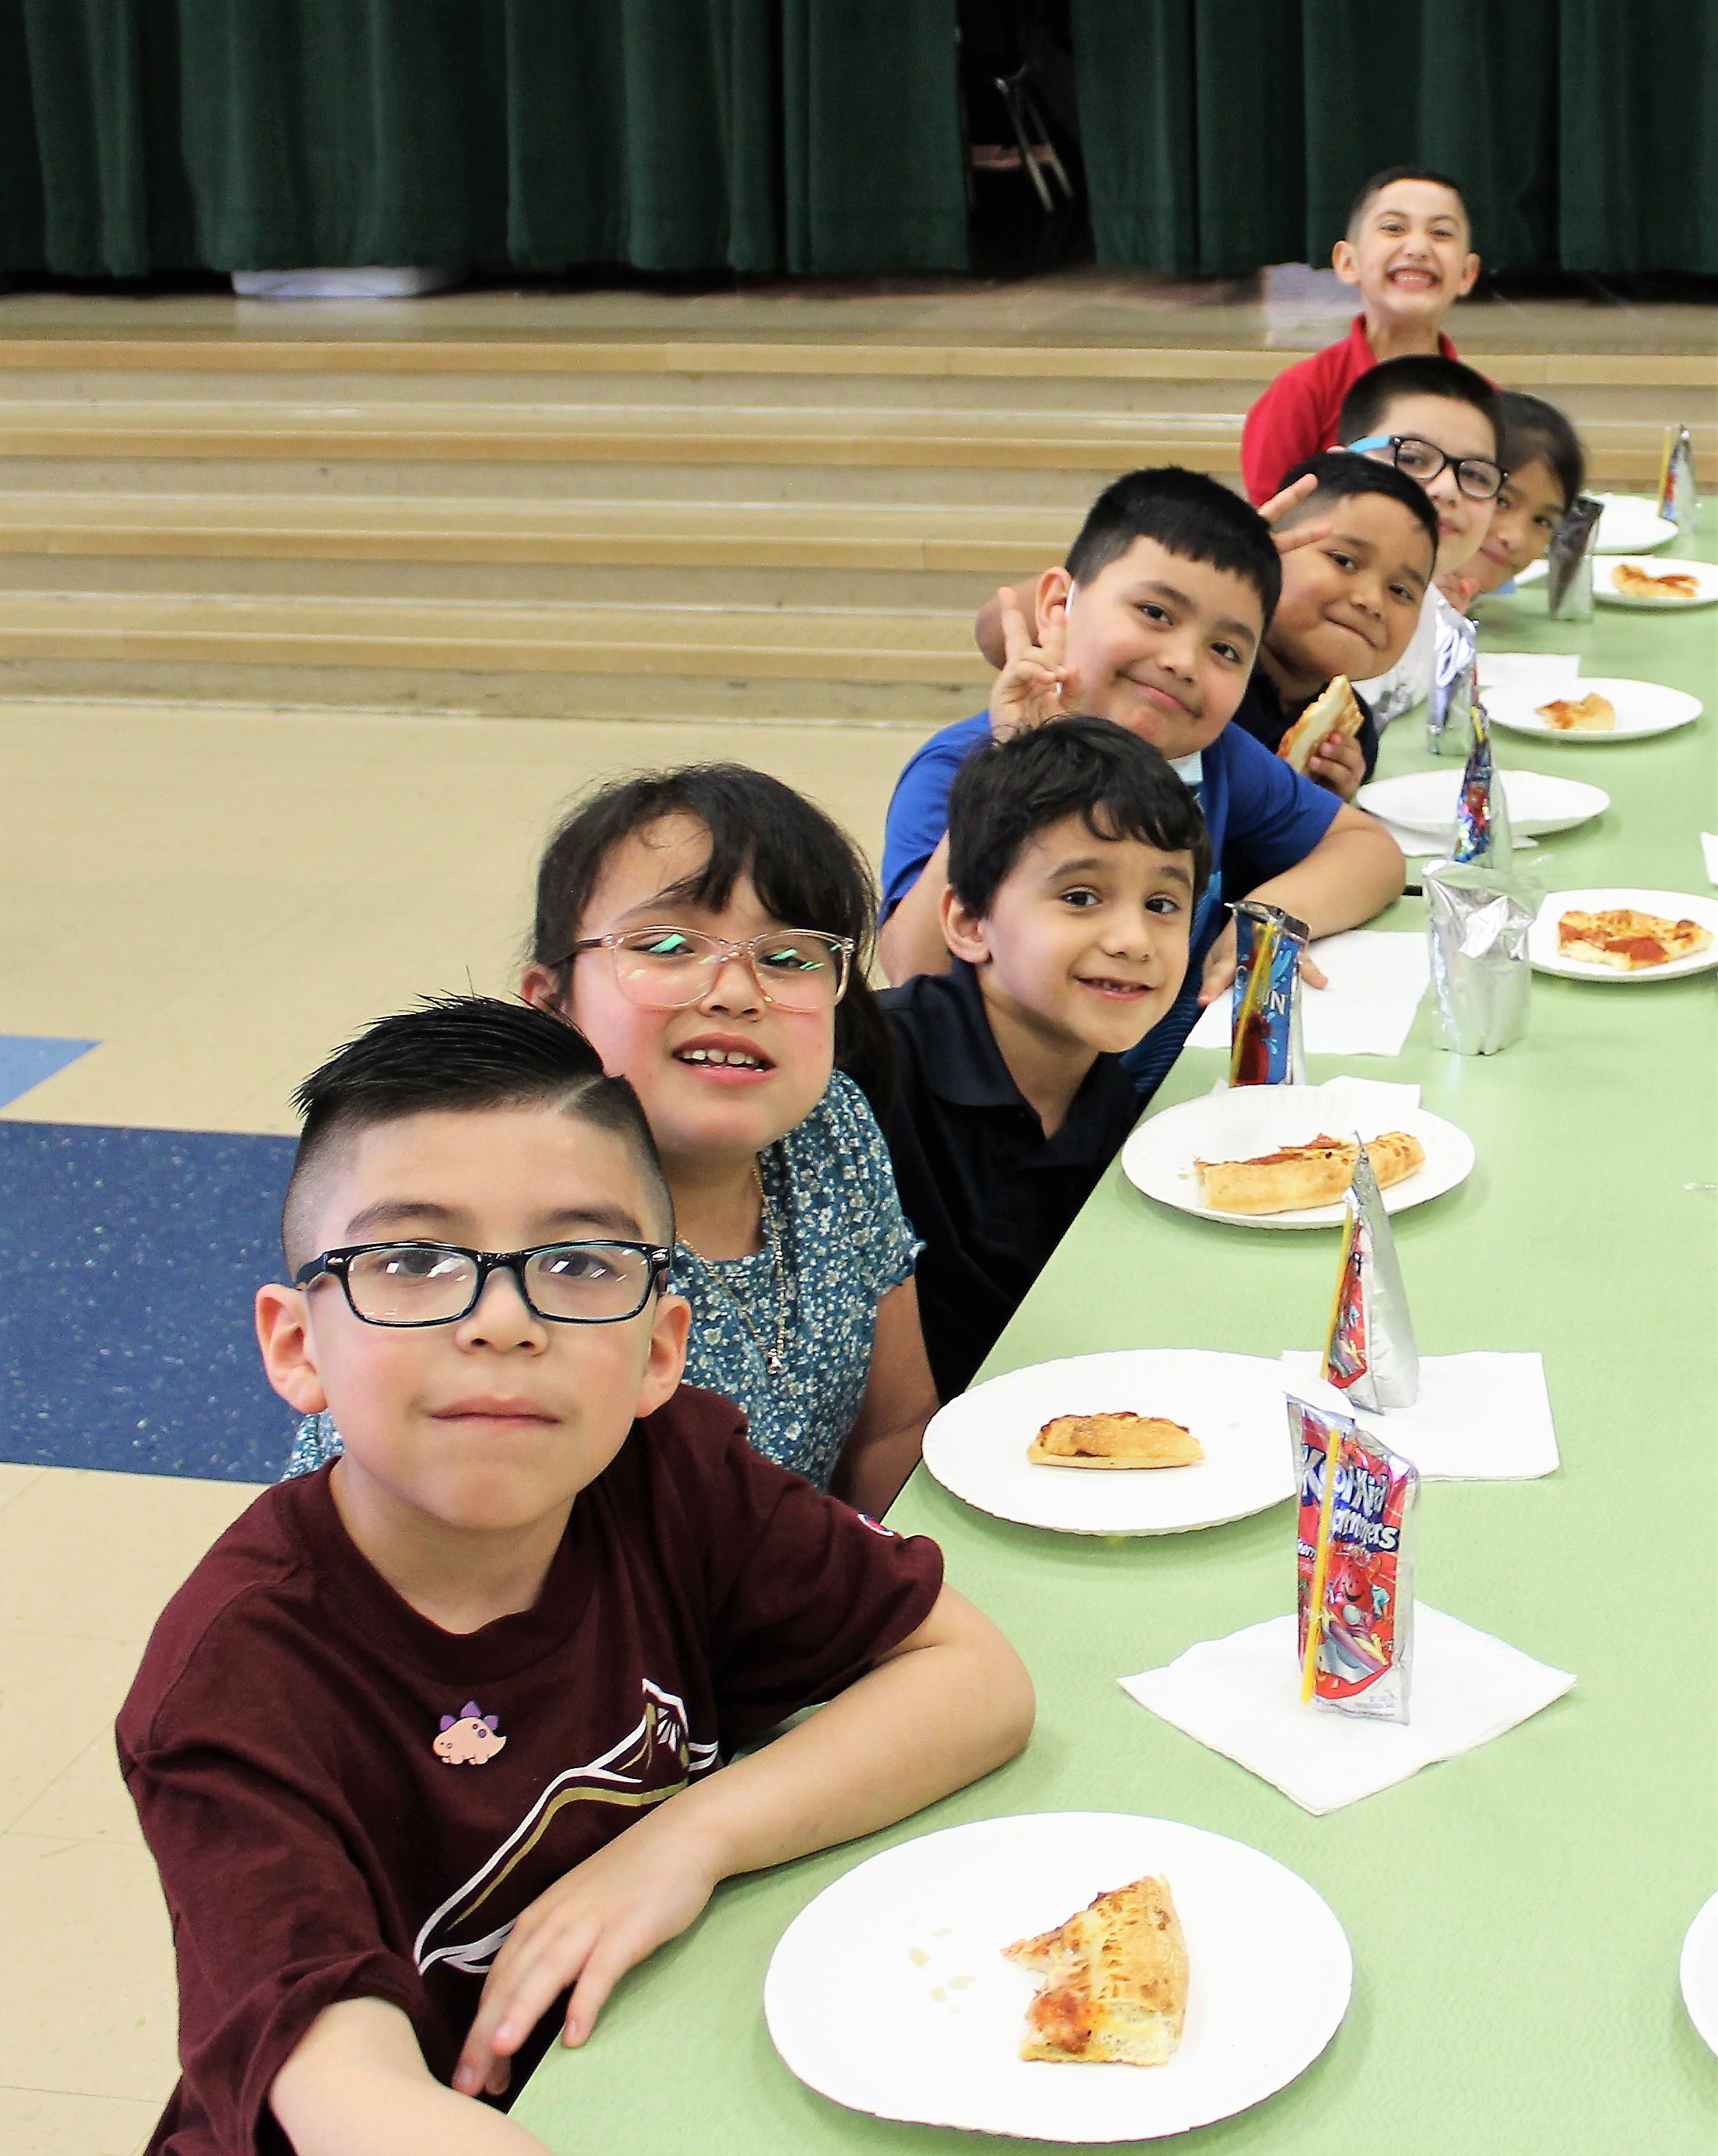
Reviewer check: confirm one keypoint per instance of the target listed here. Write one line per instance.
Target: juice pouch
(1264, 1040)
(1482, 822)
(1370, 1354)
(1356, 1581)
(1677, 497)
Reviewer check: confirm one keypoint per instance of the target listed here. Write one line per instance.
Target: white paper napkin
(1420, 845)
(1377, 982)
(1709, 847)
(1241, 1696)
(1478, 1417)
(1544, 673)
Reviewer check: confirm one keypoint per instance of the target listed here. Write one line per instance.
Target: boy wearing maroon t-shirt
(1408, 250)
(439, 1731)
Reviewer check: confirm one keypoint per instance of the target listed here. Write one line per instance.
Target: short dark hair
(1420, 374)
(1530, 429)
(1388, 177)
(1341, 475)
(1186, 514)
(461, 1052)
(1006, 792)
(807, 871)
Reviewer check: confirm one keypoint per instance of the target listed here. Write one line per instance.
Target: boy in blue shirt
(1155, 622)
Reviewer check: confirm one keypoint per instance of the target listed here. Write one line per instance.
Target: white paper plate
(1673, 905)
(976, 1446)
(889, 1993)
(1643, 708)
(1538, 803)
(1698, 1973)
(1250, 1119)
(1631, 525)
(1657, 565)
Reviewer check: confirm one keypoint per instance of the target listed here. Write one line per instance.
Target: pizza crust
(1301, 1176)
(1122, 1440)
(1335, 711)
(1116, 1981)
(1626, 941)
(1640, 583)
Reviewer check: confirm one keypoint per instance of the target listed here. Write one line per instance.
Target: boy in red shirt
(1408, 251)
(437, 1732)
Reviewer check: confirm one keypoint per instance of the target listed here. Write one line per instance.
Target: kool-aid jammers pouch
(1354, 1573)
(1265, 1038)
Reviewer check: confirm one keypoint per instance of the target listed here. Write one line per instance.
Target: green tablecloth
(1515, 1914)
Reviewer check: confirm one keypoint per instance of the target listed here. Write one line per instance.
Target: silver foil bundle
(1568, 561)
(1482, 816)
(1678, 497)
(1449, 700)
(1478, 917)
(1370, 1352)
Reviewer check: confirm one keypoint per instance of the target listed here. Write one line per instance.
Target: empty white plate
(1604, 582)
(1538, 803)
(1631, 525)
(1698, 1973)
(1641, 708)
(1248, 1120)
(890, 1993)
(1542, 947)
(976, 1446)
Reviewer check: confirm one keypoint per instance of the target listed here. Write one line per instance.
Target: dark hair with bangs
(1420, 374)
(1341, 475)
(807, 874)
(462, 1053)
(1186, 514)
(1004, 794)
(1387, 178)
(1532, 429)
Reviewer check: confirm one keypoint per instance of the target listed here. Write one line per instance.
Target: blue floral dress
(845, 1243)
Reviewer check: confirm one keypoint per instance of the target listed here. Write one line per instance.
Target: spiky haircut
(1387, 178)
(1186, 514)
(463, 1053)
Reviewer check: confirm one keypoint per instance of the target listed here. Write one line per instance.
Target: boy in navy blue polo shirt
(1155, 622)
(1076, 861)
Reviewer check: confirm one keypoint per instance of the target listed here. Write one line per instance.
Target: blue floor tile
(26, 1059)
(129, 1260)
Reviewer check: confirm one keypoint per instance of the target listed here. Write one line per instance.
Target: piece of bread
(1335, 711)
(1593, 714)
(1116, 1981)
(1121, 1440)
(1642, 584)
(1299, 1176)
(1628, 940)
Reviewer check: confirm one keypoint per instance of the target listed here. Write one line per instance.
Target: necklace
(774, 1356)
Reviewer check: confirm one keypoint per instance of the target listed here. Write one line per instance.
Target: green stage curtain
(1222, 133)
(817, 136)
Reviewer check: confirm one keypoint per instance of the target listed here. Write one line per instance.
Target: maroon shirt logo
(471, 1738)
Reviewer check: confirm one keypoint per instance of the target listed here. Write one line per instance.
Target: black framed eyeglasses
(665, 968)
(407, 1284)
(1416, 458)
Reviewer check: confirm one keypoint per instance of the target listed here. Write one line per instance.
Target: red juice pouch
(1359, 1588)
(1265, 1038)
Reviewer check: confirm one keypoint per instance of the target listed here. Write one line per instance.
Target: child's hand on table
(1219, 971)
(1035, 683)
(602, 1919)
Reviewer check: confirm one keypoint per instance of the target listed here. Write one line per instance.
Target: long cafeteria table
(1515, 1914)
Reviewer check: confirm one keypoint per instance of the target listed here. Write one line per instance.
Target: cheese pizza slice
(1638, 583)
(1593, 714)
(1121, 1440)
(1115, 1985)
(1297, 1175)
(1627, 940)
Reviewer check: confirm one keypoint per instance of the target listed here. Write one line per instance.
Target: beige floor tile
(93, 2011)
(93, 1556)
(89, 1802)
(49, 2122)
(64, 1693)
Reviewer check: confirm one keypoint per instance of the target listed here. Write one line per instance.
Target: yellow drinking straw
(1252, 1000)
(1320, 1568)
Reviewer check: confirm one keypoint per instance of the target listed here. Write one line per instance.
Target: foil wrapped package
(1370, 1352)
(1265, 1036)
(1678, 497)
(1568, 561)
(1449, 701)
(1477, 917)
(1482, 816)
(1354, 1565)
